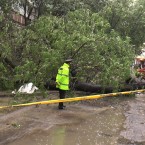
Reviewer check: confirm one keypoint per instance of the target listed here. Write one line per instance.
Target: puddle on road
(98, 129)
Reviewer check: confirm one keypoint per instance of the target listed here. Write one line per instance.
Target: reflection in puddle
(97, 129)
(58, 135)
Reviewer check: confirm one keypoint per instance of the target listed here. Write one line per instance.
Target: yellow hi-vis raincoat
(62, 78)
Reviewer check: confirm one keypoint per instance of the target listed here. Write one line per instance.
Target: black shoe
(61, 107)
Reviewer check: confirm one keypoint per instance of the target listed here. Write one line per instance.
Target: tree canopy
(99, 35)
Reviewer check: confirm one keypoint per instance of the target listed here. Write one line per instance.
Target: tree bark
(86, 87)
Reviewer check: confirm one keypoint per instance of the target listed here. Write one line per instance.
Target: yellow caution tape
(74, 99)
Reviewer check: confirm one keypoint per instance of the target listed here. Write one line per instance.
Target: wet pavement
(111, 121)
(134, 125)
(98, 127)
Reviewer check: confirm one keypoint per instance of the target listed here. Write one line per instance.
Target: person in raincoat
(62, 81)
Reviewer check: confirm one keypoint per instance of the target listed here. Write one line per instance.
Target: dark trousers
(61, 96)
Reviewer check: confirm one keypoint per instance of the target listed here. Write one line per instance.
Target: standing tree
(127, 18)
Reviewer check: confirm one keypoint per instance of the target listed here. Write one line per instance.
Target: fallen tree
(92, 88)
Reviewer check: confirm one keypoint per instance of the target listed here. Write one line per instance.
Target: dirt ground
(109, 121)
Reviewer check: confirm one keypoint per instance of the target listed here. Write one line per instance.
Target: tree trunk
(86, 87)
